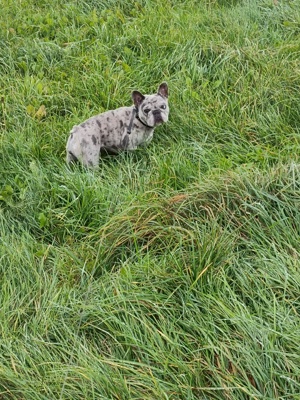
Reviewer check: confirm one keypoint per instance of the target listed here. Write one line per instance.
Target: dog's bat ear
(137, 98)
(163, 89)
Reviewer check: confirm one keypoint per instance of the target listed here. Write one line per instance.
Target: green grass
(172, 272)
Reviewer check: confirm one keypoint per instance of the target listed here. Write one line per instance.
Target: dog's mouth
(158, 121)
(157, 117)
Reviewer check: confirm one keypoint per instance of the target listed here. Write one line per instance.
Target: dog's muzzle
(157, 116)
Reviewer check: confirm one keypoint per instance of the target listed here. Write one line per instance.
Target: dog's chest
(138, 136)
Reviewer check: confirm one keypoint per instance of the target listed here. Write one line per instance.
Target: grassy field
(172, 272)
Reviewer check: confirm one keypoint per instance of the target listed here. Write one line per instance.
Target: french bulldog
(116, 130)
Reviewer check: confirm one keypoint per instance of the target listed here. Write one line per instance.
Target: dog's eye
(147, 110)
(163, 107)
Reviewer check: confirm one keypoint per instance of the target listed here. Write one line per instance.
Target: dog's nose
(157, 117)
(156, 112)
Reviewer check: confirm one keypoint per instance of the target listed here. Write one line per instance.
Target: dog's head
(152, 109)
